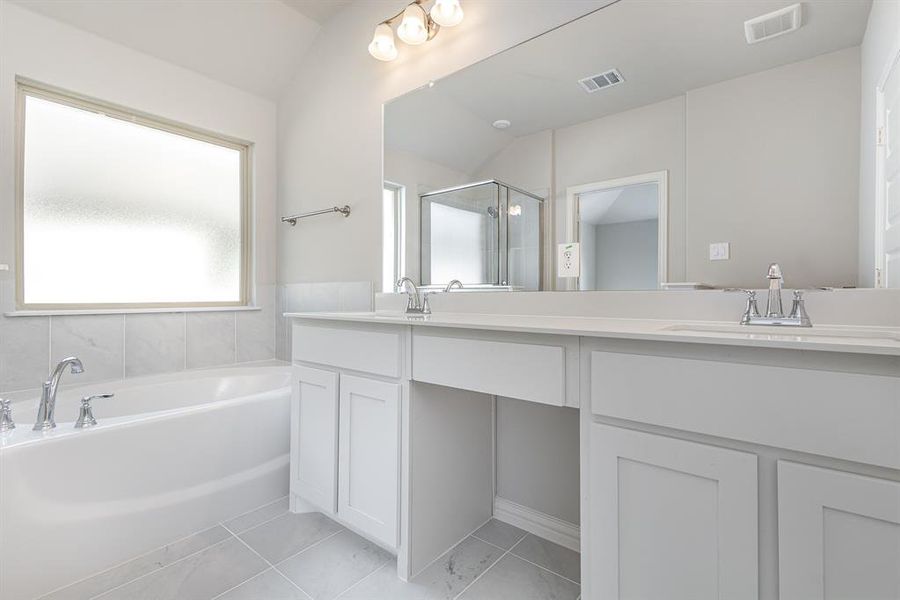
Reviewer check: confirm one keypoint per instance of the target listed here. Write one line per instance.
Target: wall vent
(773, 24)
(603, 80)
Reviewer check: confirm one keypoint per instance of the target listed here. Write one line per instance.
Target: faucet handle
(6, 420)
(426, 305)
(86, 413)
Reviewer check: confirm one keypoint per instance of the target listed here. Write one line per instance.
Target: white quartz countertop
(828, 338)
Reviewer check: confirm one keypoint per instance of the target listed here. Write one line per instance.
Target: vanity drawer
(851, 416)
(522, 366)
(370, 349)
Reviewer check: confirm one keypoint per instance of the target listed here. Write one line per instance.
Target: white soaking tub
(171, 455)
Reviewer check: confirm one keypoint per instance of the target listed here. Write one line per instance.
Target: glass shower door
(461, 235)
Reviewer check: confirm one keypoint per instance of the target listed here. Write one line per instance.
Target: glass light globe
(382, 46)
(413, 29)
(447, 13)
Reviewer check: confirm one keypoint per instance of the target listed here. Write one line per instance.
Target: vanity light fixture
(416, 26)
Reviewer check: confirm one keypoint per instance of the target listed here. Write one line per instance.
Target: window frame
(27, 87)
(399, 226)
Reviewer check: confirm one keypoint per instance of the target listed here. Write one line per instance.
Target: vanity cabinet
(314, 437)
(369, 456)
(345, 424)
(838, 534)
(683, 511)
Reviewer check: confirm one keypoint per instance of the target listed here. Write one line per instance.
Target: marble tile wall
(116, 346)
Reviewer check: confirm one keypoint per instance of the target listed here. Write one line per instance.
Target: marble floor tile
(514, 579)
(269, 585)
(444, 579)
(558, 559)
(140, 566)
(500, 534)
(288, 534)
(256, 517)
(201, 576)
(329, 568)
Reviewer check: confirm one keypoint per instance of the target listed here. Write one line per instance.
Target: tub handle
(86, 413)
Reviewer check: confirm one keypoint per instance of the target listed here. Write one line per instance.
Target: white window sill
(126, 311)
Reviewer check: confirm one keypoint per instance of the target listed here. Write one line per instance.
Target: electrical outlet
(719, 251)
(569, 260)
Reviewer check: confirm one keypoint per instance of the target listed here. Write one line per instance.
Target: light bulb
(447, 13)
(382, 46)
(413, 29)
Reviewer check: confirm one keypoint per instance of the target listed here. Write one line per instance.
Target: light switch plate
(719, 251)
(568, 263)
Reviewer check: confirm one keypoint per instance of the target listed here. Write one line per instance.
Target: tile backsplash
(128, 345)
(343, 296)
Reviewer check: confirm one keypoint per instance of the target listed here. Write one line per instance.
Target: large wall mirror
(671, 142)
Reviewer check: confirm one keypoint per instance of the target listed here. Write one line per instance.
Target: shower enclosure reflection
(485, 234)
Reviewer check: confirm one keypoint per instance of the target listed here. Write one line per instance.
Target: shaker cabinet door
(838, 534)
(670, 519)
(314, 437)
(370, 457)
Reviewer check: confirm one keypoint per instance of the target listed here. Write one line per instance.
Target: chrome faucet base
(778, 321)
(6, 420)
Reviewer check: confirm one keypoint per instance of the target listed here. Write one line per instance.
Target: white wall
(880, 44)
(112, 346)
(330, 138)
(642, 140)
(773, 168)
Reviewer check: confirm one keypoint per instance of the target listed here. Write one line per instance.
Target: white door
(671, 519)
(838, 534)
(888, 185)
(370, 456)
(314, 436)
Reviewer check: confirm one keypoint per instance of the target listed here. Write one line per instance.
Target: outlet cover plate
(568, 262)
(719, 251)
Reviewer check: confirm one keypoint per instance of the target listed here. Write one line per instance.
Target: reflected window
(392, 235)
(117, 209)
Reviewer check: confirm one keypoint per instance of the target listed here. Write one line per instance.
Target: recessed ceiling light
(501, 124)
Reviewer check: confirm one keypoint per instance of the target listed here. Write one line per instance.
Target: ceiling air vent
(773, 24)
(603, 80)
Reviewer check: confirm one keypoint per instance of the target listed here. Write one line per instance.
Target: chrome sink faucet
(48, 393)
(414, 304)
(456, 283)
(774, 311)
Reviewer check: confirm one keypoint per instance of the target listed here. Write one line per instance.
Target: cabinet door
(838, 534)
(670, 519)
(369, 456)
(314, 436)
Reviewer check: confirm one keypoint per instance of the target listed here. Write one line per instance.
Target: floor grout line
(253, 510)
(243, 531)
(578, 583)
(482, 574)
(361, 580)
(272, 566)
(148, 573)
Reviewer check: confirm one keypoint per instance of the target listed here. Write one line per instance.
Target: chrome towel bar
(344, 210)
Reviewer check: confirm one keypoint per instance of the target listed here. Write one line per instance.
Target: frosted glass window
(458, 245)
(119, 212)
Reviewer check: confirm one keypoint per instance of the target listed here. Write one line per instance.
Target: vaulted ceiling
(255, 46)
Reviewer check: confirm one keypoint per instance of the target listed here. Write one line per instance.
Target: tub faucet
(48, 393)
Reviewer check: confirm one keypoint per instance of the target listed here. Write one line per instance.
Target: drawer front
(358, 349)
(843, 415)
(534, 372)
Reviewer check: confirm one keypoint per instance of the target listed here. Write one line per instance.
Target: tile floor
(271, 554)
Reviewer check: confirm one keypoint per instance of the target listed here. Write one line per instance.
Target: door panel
(671, 519)
(314, 430)
(838, 534)
(369, 456)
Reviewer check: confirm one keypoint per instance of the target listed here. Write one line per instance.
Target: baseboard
(540, 524)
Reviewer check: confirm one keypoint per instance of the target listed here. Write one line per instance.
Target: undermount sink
(848, 333)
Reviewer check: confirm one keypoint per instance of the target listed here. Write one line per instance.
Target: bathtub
(171, 455)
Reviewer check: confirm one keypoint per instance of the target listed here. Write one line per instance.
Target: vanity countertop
(827, 338)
